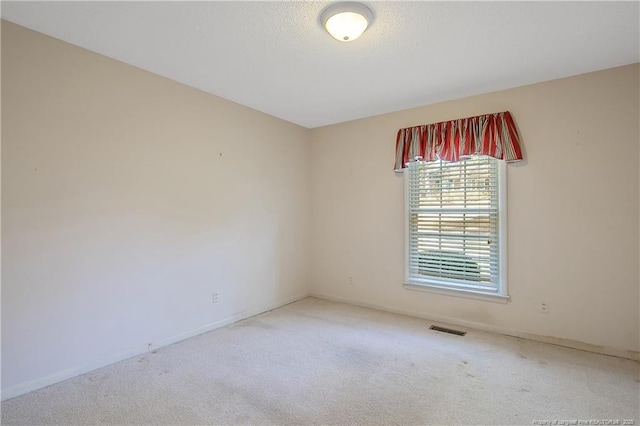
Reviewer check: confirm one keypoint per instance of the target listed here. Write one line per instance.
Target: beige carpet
(318, 362)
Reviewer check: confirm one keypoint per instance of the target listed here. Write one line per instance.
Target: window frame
(433, 285)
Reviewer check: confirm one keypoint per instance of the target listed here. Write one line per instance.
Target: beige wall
(572, 212)
(127, 199)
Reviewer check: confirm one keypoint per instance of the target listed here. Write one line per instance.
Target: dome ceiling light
(346, 21)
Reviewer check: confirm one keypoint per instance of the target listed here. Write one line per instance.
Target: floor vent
(448, 330)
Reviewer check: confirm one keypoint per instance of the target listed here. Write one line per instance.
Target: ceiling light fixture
(346, 21)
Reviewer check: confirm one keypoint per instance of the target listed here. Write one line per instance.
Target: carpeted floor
(318, 362)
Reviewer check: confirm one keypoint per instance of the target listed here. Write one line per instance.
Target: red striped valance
(494, 135)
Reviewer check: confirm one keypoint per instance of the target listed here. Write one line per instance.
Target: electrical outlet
(544, 308)
(350, 280)
(215, 297)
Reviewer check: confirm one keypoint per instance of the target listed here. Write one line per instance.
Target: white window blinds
(453, 223)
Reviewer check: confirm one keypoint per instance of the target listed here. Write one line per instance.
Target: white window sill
(466, 293)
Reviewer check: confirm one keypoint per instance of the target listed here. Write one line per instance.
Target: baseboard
(60, 376)
(69, 373)
(568, 343)
(223, 322)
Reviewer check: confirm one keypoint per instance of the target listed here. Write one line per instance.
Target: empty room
(318, 213)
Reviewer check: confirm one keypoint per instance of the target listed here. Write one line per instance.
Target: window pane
(453, 222)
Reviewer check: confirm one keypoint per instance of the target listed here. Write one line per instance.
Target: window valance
(494, 135)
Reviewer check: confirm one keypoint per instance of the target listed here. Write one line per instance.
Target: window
(455, 225)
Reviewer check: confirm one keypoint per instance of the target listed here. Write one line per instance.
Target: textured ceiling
(276, 58)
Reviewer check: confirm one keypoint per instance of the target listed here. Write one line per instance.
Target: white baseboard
(63, 375)
(60, 376)
(568, 343)
(221, 323)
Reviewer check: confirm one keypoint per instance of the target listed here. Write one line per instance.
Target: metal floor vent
(448, 330)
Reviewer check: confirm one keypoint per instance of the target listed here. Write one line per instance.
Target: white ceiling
(275, 56)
